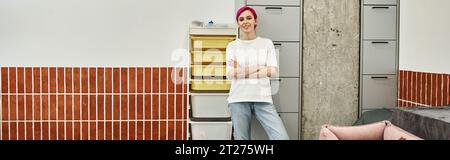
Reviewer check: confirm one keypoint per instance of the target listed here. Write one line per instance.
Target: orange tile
(19, 131)
(45, 79)
(45, 132)
(171, 80)
(124, 131)
(124, 80)
(155, 130)
(61, 108)
(84, 107)
(116, 131)
(434, 89)
(37, 108)
(5, 131)
(101, 131)
(155, 80)
(92, 107)
(52, 72)
(140, 107)
(93, 131)
(164, 80)
(163, 130)
(12, 80)
(116, 80)
(148, 80)
(53, 129)
(20, 80)
(37, 79)
(179, 106)
(76, 107)
(108, 107)
(414, 87)
(132, 130)
(76, 77)
(178, 80)
(444, 90)
(28, 107)
(132, 80)
(45, 107)
(429, 95)
(69, 112)
(4, 80)
(101, 80)
(4, 107)
(77, 131)
(116, 107)
(155, 107)
(423, 88)
(148, 130)
(20, 108)
(14, 131)
(92, 80)
(13, 107)
(439, 86)
(29, 80)
(69, 133)
(108, 128)
(61, 132)
(124, 107)
(148, 106)
(140, 130)
(61, 80)
(37, 130)
(171, 130)
(132, 107)
(68, 80)
(108, 80)
(140, 80)
(101, 107)
(85, 131)
(171, 106)
(84, 80)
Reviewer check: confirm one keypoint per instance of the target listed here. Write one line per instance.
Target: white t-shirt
(259, 51)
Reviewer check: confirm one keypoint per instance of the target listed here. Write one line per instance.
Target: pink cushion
(383, 130)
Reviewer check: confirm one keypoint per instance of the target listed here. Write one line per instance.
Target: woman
(251, 62)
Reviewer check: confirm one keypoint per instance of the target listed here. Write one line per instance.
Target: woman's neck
(248, 36)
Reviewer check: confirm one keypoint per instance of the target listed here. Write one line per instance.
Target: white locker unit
(280, 21)
(379, 54)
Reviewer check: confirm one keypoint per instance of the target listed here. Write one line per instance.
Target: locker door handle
(279, 8)
(380, 42)
(380, 7)
(380, 77)
(277, 44)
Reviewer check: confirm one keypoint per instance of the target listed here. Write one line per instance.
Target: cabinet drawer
(288, 56)
(379, 91)
(380, 22)
(279, 23)
(200, 57)
(211, 130)
(380, 2)
(210, 106)
(379, 57)
(210, 85)
(208, 70)
(290, 121)
(273, 2)
(210, 42)
(286, 94)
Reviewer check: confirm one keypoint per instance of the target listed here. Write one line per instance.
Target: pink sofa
(384, 130)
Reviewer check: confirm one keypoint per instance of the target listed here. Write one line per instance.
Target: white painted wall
(101, 32)
(425, 35)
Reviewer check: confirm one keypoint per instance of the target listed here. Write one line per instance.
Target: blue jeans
(266, 114)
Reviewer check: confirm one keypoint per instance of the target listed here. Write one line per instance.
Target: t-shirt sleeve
(271, 55)
(229, 56)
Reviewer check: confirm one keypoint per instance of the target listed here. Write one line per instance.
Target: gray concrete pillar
(331, 40)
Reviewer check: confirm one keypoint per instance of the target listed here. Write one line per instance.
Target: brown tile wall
(423, 89)
(42, 103)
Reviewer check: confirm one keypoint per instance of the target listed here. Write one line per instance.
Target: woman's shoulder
(266, 41)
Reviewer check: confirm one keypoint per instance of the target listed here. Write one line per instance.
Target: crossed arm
(250, 72)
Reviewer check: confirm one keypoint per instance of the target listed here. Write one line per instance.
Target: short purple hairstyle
(243, 9)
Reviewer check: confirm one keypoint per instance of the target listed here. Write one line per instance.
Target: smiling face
(247, 22)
